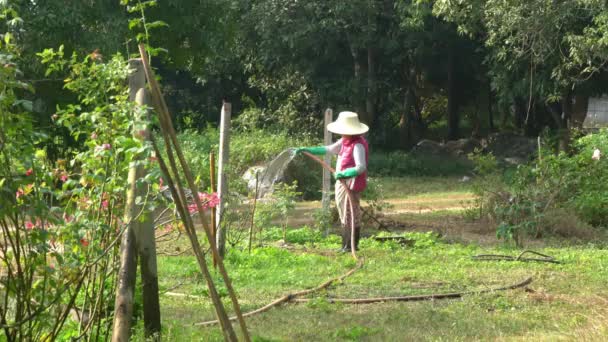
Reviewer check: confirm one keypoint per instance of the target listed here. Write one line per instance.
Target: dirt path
(442, 213)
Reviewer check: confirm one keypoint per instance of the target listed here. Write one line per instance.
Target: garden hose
(349, 200)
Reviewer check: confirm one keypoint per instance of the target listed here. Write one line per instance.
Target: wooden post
(326, 199)
(222, 179)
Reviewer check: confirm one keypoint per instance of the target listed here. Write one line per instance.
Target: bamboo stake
(255, 200)
(185, 215)
(179, 198)
(212, 181)
(170, 132)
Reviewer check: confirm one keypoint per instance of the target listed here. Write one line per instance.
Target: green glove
(318, 150)
(348, 173)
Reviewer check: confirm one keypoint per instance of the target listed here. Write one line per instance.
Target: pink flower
(207, 201)
(93, 136)
(104, 204)
(103, 147)
(19, 193)
(29, 225)
(63, 177)
(29, 172)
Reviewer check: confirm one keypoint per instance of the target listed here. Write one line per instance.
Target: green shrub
(573, 183)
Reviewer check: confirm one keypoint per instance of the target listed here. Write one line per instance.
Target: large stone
(455, 148)
(511, 147)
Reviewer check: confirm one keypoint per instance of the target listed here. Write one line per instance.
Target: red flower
(19, 193)
(29, 225)
(84, 242)
(29, 172)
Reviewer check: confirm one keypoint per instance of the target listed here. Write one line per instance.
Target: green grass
(568, 301)
(401, 187)
(564, 302)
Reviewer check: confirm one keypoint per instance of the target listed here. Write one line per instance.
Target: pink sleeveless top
(348, 160)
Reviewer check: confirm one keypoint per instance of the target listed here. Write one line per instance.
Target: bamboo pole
(213, 189)
(255, 201)
(170, 138)
(212, 182)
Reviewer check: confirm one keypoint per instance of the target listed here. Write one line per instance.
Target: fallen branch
(291, 296)
(415, 298)
(544, 257)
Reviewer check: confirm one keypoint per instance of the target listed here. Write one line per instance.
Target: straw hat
(348, 124)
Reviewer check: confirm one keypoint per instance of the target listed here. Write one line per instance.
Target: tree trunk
(357, 97)
(490, 108)
(145, 239)
(453, 117)
(370, 98)
(519, 112)
(125, 290)
(564, 140)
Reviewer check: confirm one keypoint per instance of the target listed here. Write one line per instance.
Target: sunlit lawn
(565, 301)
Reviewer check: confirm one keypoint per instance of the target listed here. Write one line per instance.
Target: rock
(465, 179)
(462, 147)
(427, 147)
(455, 148)
(250, 176)
(511, 148)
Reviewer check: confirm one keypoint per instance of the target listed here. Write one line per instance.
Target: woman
(351, 166)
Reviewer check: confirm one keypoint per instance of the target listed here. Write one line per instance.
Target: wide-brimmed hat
(348, 124)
